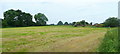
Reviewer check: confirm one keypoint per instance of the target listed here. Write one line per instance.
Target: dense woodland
(17, 18)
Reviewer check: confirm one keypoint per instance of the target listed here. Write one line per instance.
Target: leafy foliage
(111, 22)
(17, 18)
(81, 23)
(40, 19)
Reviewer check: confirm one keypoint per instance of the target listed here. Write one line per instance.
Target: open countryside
(52, 39)
(54, 29)
(21, 34)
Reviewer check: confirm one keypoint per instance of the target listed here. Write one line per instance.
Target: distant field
(52, 39)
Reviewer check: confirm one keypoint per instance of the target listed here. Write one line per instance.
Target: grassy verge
(110, 41)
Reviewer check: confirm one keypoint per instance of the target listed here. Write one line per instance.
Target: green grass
(110, 41)
(24, 39)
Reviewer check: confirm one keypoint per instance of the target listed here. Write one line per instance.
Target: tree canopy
(60, 23)
(66, 23)
(111, 22)
(81, 23)
(40, 19)
(17, 18)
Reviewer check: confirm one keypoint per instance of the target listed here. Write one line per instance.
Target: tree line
(17, 18)
(110, 22)
(80, 23)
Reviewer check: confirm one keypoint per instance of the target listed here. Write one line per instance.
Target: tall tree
(10, 17)
(17, 18)
(60, 23)
(40, 19)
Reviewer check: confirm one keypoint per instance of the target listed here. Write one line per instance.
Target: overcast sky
(65, 10)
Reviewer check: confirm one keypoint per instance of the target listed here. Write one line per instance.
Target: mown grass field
(52, 39)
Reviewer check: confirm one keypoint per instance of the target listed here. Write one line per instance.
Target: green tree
(66, 23)
(111, 22)
(60, 23)
(26, 19)
(11, 17)
(17, 18)
(40, 19)
(83, 22)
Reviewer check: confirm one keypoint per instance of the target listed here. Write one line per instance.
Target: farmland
(52, 39)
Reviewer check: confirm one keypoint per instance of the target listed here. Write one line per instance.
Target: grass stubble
(51, 39)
